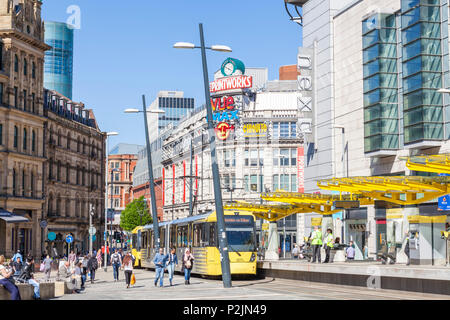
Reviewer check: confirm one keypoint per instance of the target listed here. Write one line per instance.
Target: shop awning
(10, 217)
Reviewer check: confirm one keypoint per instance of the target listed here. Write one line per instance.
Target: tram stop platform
(374, 275)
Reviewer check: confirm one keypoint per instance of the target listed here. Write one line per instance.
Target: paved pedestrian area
(249, 289)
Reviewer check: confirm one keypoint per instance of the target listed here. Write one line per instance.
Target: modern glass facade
(58, 69)
(422, 70)
(175, 109)
(404, 66)
(381, 120)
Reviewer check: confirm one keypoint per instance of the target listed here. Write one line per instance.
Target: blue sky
(124, 49)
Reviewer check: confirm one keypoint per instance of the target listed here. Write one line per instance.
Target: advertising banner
(301, 169)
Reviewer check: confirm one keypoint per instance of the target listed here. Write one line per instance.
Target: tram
(200, 234)
(135, 246)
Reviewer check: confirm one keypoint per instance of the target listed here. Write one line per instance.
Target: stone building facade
(22, 120)
(74, 172)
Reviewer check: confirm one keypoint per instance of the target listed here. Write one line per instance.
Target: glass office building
(58, 69)
(175, 106)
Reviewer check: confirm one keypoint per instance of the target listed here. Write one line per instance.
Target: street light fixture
(223, 243)
(108, 134)
(150, 169)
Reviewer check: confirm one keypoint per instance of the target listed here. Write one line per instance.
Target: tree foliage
(130, 218)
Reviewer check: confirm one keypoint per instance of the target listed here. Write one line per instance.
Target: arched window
(78, 144)
(25, 67)
(33, 70)
(16, 137)
(25, 137)
(77, 208)
(59, 138)
(83, 177)
(33, 141)
(16, 63)
(84, 146)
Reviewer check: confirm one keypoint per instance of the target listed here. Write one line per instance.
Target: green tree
(130, 218)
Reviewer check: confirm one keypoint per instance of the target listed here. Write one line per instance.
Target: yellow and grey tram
(199, 233)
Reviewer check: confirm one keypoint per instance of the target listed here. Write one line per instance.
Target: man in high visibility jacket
(316, 242)
(328, 245)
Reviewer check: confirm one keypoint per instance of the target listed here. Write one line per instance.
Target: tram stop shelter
(404, 192)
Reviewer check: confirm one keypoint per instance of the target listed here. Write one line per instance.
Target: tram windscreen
(240, 233)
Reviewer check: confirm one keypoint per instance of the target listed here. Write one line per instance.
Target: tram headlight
(253, 257)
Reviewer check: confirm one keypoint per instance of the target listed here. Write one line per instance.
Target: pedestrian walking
(188, 263)
(316, 243)
(171, 263)
(295, 252)
(27, 276)
(7, 281)
(92, 266)
(407, 251)
(72, 258)
(127, 265)
(47, 267)
(99, 258)
(350, 251)
(160, 263)
(328, 245)
(116, 262)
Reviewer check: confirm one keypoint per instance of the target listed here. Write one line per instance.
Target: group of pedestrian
(169, 261)
(18, 272)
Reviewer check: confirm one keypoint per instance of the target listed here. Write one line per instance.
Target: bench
(47, 290)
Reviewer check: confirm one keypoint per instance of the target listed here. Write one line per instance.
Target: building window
(294, 183)
(1, 93)
(116, 177)
(284, 130)
(380, 83)
(25, 100)
(25, 137)
(1, 134)
(16, 137)
(285, 157)
(68, 173)
(33, 70)
(25, 67)
(275, 182)
(117, 190)
(1, 55)
(16, 63)
(33, 141)
(16, 97)
(116, 203)
(33, 102)
(68, 141)
(229, 157)
(14, 182)
(253, 183)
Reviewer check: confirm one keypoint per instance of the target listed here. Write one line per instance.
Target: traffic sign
(94, 237)
(43, 224)
(444, 203)
(51, 236)
(92, 231)
(69, 239)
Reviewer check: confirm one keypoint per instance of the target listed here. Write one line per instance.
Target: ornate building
(22, 120)
(74, 172)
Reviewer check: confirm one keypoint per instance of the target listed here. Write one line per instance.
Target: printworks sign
(231, 83)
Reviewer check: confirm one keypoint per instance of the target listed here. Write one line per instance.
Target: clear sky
(124, 49)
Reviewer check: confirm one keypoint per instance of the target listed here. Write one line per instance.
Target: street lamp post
(108, 134)
(223, 243)
(150, 169)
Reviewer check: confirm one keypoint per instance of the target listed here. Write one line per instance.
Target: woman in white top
(127, 265)
(5, 276)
